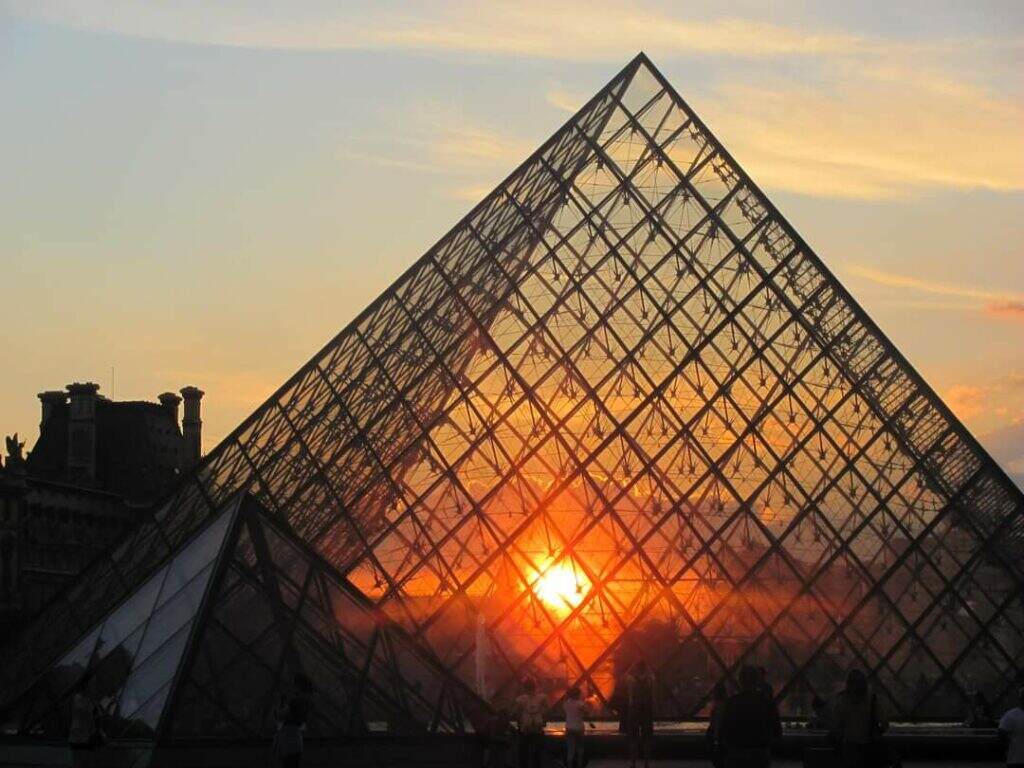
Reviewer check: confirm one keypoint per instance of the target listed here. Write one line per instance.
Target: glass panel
(177, 610)
(287, 558)
(143, 722)
(111, 673)
(199, 717)
(74, 664)
(153, 673)
(196, 556)
(132, 613)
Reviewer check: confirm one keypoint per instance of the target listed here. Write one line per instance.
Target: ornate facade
(95, 468)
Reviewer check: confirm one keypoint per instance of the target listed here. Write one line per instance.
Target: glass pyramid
(209, 645)
(621, 410)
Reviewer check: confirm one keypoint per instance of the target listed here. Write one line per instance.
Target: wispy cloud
(895, 280)
(470, 193)
(571, 29)
(876, 119)
(886, 127)
(998, 304)
(965, 400)
(437, 142)
(561, 99)
(1013, 310)
(997, 400)
(386, 161)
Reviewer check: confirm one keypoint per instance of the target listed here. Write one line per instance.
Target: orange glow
(560, 585)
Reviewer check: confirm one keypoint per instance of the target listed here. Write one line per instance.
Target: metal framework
(621, 410)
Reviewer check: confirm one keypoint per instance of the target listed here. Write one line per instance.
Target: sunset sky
(204, 193)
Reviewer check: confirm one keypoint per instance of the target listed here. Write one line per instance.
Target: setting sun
(561, 585)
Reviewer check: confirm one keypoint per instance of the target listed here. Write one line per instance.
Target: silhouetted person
(498, 736)
(719, 698)
(751, 724)
(858, 723)
(289, 744)
(1011, 733)
(575, 708)
(83, 733)
(640, 712)
(530, 706)
(821, 714)
(979, 714)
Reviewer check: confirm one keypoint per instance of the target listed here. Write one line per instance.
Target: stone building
(96, 466)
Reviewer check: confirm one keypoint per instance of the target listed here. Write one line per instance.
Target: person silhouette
(719, 698)
(575, 709)
(84, 732)
(857, 723)
(821, 714)
(750, 724)
(640, 712)
(289, 742)
(1011, 732)
(530, 706)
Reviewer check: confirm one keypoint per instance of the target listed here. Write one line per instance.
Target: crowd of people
(744, 725)
(742, 730)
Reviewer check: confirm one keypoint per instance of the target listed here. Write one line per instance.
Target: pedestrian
(1011, 733)
(575, 708)
(750, 725)
(84, 733)
(821, 714)
(858, 724)
(498, 736)
(293, 711)
(719, 697)
(530, 707)
(979, 713)
(640, 712)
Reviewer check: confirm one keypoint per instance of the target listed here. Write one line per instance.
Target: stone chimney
(170, 402)
(82, 431)
(51, 402)
(192, 425)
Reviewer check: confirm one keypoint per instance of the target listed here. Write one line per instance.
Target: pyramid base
(946, 745)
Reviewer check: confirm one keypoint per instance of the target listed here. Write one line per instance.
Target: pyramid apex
(643, 58)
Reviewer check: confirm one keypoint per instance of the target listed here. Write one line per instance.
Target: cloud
(384, 161)
(1006, 445)
(571, 29)
(1011, 310)
(995, 303)
(436, 141)
(462, 143)
(872, 118)
(890, 125)
(966, 401)
(1000, 404)
(472, 193)
(563, 100)
(997, 400)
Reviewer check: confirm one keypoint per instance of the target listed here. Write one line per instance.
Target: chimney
(51, 402)
(170, 402)
(82, 431)
(192, 425)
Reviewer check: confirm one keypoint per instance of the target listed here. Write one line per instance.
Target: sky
(205, 193)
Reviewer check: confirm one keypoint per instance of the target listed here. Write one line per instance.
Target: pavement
(624, 763)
